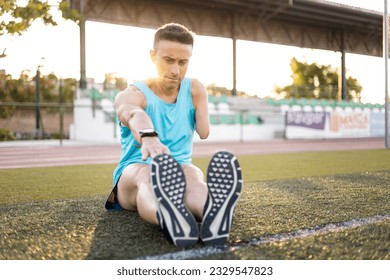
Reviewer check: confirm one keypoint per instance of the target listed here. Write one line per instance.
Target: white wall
(93, 126)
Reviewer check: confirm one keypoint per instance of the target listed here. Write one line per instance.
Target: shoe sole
(224, 181)
(169, 186)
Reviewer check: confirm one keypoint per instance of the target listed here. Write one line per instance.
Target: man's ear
(152, 54)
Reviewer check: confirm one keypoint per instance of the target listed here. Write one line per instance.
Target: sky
(111, 49)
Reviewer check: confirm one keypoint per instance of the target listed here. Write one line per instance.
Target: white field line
(210, 250)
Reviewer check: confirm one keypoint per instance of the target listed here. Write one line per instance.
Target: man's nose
(175, 69)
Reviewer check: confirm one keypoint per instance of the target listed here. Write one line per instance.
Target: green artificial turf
(279, 206)
(371, 242)
(303, 164)
(58, 212)
(81, 228)
(48, 183)
(285, 206)
(35, 184)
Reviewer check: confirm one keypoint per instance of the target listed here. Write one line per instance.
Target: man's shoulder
(131, 95)
(131, 89)
(197, 87)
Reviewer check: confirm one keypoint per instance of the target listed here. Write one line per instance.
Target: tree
(112, 81)
(317, 81)
(23, 89)
(213, 89)
(16, 19)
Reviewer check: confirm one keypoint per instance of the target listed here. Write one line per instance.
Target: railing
(29, 121)
(26, 120)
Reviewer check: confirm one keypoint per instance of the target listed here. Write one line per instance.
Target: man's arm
(200, 101)
(130, 105)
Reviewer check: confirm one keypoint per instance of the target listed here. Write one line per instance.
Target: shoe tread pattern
(169, 185)
(224, 181)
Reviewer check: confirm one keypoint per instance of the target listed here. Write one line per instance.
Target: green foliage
(15, 18)
(4, 95)
(317, 81)
(213, 89)
(69, 87)
(6, 135)
(68, 12)
(23, 89)
(21, 17)
(113, 82)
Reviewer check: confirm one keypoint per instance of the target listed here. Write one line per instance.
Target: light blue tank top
(175, 124)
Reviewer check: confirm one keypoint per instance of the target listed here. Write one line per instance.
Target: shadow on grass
(124, 235)
(76, 229)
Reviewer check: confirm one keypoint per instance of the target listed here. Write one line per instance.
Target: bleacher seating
(316, 104)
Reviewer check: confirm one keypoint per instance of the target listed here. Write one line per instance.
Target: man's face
(171, 60)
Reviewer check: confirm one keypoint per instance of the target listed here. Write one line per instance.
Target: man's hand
(151, 146)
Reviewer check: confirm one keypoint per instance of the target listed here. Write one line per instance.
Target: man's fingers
(166, 151)
(145, 154)
(149, 153)
(160, 151)
(153, 151)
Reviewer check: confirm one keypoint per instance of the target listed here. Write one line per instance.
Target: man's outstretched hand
(151, 147)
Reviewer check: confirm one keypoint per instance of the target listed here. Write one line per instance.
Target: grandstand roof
(313, 12)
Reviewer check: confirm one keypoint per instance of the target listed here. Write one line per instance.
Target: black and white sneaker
(178, 224)
(224, 181)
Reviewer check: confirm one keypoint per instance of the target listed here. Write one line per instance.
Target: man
(155, 176)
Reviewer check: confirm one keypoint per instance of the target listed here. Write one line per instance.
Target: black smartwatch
(148, 132)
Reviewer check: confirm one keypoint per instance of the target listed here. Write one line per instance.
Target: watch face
(147, 130)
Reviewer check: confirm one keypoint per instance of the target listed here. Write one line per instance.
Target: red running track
(51, 153)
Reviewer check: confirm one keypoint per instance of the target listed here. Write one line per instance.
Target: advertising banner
(306, 125)
(349, 124)
(313, 120)
(321, 125)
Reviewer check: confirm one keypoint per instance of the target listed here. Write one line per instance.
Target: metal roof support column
(343, 80)
(386, 59)
(83, 77)
(234, 38)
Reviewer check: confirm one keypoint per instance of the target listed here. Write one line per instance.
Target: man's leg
(135, 192)
(196, 193)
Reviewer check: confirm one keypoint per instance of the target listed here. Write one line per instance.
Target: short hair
(174, 32)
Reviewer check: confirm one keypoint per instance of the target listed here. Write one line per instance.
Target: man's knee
(128, 186)
(136, 174)
(143, 176)
(193, 173)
